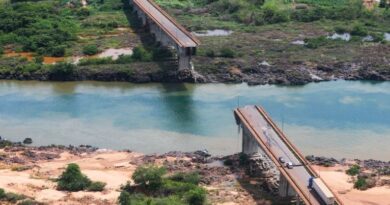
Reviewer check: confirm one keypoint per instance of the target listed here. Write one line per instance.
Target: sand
(342, 185)
(111, 167)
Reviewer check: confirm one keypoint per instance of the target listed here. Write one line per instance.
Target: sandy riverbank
(342, 185)
(31, 170)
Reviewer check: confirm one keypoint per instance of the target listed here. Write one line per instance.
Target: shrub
(124, 198)
(149, 177)
(96, 186)
(30, 202)
(90, 49)
(123, 59)
(341, 29)
(314, 43)
(56, 51)
(161, 53)
(228, 162)
(353, 170)
(359, 30)
(196, 196)
(227, 53)
(2, 193)
(361, 184)
(272, 14)
(192, 177)
(140, 54)
(72, 179)
(96, 61)
(1, 51)
(13, 198)
(61, 71)
(210, 53)
(243, 159)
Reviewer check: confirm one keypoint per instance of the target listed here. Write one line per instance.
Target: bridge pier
(249, 144)
(285, 190)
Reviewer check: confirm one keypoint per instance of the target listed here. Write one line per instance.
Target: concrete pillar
(249, 144)
(285, 190)
(184, 59)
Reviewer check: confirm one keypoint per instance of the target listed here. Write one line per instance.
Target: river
(338, 118)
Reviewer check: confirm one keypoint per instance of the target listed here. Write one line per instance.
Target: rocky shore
(230, 71)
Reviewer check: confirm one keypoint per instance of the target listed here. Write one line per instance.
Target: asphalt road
(164, 22)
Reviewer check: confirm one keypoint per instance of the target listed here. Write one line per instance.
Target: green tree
(72, 179)
(90, 49)
(353, 170)
(149, 177)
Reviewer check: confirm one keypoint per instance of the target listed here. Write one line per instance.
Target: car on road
(289, 165)
(281, 160)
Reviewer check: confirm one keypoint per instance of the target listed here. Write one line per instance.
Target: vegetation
(10, 197)
(90, 49)
(353, 170)
(360, 184)
(150, 177)
(73, 180)
(152, 187)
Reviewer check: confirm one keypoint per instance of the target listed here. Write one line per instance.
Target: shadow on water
(178, 99)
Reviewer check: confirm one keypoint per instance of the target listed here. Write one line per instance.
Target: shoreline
(30, 170)
(165, 72)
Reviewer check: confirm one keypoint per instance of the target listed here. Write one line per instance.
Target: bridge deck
(179, 34)
(275, 144)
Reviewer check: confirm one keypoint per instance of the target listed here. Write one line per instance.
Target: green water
(339, 118)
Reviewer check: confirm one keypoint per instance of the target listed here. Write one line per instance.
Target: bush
(227, 53)
(123, 59)
(72, 179)
(361, 184)
(359, 30)
(272, 14)
(341, 29)
(2, 193)
(96, 61)
(192, 177)
(149, 177)
(161, 53)
(196, 196)
(124, 198)
(140, 54)
(243, 159)
(96, 186)
(90, 49)
(61, 71)
(228, 162)
(210, 53)
(30, 202)
(353, 170)
(13, 198)
(1, 51)
(314, 43)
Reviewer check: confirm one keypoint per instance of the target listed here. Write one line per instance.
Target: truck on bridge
(322, 190)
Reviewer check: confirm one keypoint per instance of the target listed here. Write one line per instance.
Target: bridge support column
(184, 58)
(285, 190)
(249, 144)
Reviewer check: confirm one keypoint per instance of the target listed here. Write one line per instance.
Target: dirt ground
(31, 172)
(342, 185)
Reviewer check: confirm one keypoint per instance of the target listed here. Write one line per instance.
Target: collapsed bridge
(167, 31)
(297, 177)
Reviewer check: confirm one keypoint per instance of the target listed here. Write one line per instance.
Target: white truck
(322, 190)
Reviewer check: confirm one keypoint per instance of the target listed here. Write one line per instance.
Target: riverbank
(294, 50)
(229, 180)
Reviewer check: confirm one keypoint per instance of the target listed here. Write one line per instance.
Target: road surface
(168, 24)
